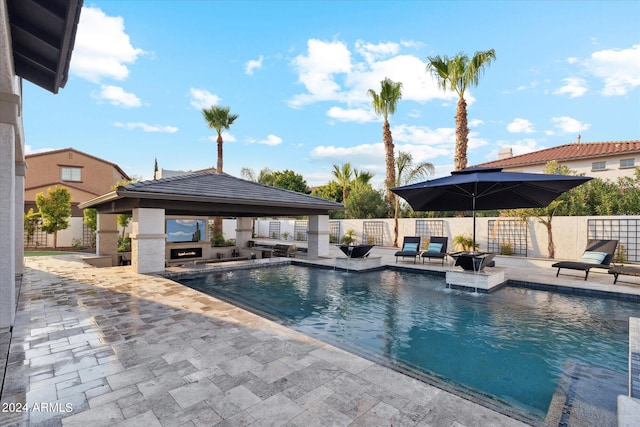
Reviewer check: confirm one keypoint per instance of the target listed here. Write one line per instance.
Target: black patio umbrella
(475, 189)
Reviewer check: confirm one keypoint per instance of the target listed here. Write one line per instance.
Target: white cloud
(519, 147)
(573, 86)
(569, 125)
(187, 222)
(29, 150)
(271, 140)
(371, 52)
(572, 60)
(316, 70)
(252, 65)
(520, 88)
(359, 115)
(180, 234)
(201, 98)
(339, 154)
(524, 146)
(117, 96)
(619, 68)
(146, 127)
(520, 126)
(423, 135)
(475, 123)
(330, 71)
(102, 47)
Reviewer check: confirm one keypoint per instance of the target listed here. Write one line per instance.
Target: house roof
(43, 35)
(573, 151)
(210, 194)
(62, 150)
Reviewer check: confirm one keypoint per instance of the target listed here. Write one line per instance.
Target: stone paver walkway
(104, 347)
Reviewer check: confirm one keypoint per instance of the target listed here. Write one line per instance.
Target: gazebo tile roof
(223, 186)
(210, 194)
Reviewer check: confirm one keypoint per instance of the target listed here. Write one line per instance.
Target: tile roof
(215, 192)
(573, 151)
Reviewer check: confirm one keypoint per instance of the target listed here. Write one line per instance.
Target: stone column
(148, 240)
(107, 236)
(7, 226)
(243, 231)
(21, 169)
(318, 236)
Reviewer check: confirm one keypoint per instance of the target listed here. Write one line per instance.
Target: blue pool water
(512, 345)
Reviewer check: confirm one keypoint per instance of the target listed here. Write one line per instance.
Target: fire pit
(355, 251)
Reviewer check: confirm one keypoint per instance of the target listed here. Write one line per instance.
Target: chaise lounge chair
(598, 254)
(410, 248)
(437, 249)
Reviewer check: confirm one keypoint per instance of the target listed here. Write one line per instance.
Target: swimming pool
(511, 347)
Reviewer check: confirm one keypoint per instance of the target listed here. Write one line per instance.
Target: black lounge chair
(437, 249)
(410, 248)
(624, 270)
(597, 254)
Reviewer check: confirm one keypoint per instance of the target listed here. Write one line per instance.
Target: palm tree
(343, 175)
(407, 173)
(218, 118)
(457, 74)
(362, 177)
(384, 104)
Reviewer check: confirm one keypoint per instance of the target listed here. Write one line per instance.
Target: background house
(605, 160)
(84, 175)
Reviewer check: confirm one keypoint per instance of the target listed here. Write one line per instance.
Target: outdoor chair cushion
(410, 247)
(434, 247)
(592, 257)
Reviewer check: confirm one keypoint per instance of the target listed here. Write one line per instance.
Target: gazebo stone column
(148, 240)
(7, 225)
(21, 169)
(243, 231)
(107, 236)
(318, 236)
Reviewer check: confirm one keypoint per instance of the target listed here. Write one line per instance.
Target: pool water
(512, 345)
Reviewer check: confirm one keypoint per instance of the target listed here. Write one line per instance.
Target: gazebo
(203, 194)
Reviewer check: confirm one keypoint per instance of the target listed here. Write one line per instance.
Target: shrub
(349, 237)
(506, 249)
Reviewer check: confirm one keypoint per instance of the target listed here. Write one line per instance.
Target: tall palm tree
(343, 175)
(384, 104)
(458, 73)
(407, 173)
(218, 118)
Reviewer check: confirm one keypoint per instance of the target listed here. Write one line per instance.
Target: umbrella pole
(473, 248)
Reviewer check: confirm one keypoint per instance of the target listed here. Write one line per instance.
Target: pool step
(582, 398)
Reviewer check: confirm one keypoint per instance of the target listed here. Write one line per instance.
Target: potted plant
(464, 242)
(349, 237)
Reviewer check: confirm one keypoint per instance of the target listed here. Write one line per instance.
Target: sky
(297, 74)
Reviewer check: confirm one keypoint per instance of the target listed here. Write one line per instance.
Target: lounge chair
(410, 248)
(597, 254)
(624, 270)
(437, 249)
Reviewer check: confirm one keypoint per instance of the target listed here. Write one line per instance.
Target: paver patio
(110, 347)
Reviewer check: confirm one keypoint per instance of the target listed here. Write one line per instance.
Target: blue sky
(297, 74)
